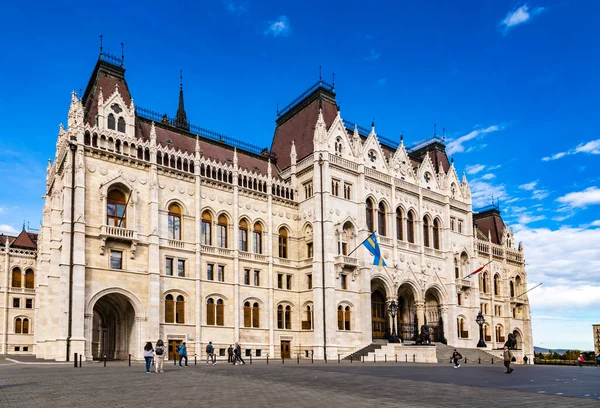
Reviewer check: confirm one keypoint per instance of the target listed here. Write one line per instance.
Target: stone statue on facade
(511, 343)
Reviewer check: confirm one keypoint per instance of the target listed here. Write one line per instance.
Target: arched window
(307, 324)
(436, 234)
(370, 220)
(247, 314)
(251, 315)
(169, 309)
(381, 219)
(410, 227)
(462, 333)
(206, 228)
(283, 243)
(426, 231)
(115, 209)
(497, 285)
(243, 235)
(399, 226)
(340, 317)
(25, 326)
(222, 231)
(111, 121)
(280, 317)
(210, 312)
(18, 325)
(220, 313)
(175, 222)
(485, 282)
(347, 318)
(257, 238)
(180, 310)
(499, 334)
(255, 315)
(16, 278)
(29, 279)
(288, 317)
(512, 289)
(518, 289)
(338, 146)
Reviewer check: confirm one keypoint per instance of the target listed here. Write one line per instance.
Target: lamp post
(393, 310)
(480, 321)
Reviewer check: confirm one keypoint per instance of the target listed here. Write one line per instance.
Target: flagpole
(529, 290)
(481, 267)
(359, 245)
(124, 211)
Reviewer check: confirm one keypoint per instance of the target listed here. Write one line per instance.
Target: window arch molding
(184, 210)
(16, 277)
(124, 187)
(29, 278)
(284, 236)
(345, 316)
(252, 318)
(22, 325)
(174, 302)
(285, 315)
(411, 222)
(215, 304)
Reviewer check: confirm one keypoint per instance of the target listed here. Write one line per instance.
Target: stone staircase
(358, 355)
(444, 353)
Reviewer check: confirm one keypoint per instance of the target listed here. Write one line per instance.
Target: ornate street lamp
(393, 310)
(480, 321)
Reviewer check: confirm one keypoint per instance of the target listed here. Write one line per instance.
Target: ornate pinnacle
(235, 157)
(197, 145)
(152, 134)
(293, 154)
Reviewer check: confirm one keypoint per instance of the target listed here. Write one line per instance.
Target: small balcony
(464, 283)
(344, 261)
(118, 234)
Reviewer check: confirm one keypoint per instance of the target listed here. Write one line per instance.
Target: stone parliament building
(155, 228)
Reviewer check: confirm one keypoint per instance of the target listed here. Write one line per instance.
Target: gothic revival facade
(155, 228)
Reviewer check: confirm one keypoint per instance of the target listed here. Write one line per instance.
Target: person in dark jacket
(508, 357)
(182, 350)
(238, 354)
(455, 357)
(230, 354)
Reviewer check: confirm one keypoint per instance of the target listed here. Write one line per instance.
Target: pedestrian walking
(580, 360)
(148, 355)
(238, 354)
(456, 356)
(598, 360)
(182, 350)
(230, 354)
(210, 354)
(508, 358)
(159, 356)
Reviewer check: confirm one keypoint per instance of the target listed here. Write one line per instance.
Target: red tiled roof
(299, 126)
(437, 154)
(490, 222)
(24, 240)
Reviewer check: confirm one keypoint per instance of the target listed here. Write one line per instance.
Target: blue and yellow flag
(373, 247)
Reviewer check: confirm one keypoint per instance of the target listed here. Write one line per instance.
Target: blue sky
(514, 84)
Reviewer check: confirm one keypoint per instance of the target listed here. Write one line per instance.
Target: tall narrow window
(289, 282)
(175, 222)
(255, 315)
(426, 231)
(222, 231)
(16, 278)
(344, 281)
(309, 280)
(410, 228)
(347, 191)
(247, 315)
(210, 272)
(288, 317)
(169, 266)
(369, 214)
(221, 273)
(116, 259)
(111, 121)
(243, 235)
(180, 267)
(220, 313)
(280, 281)
(29, 279)
(257, 238)
(246, 276)
(180, 310)
(206, 228)
(399, 220)
(436, 234)
(283, 243)
(18, 325)
(340, 317)
(121, 125)
(16, 303)
(210, 312)
(309, 250)
(256, 278)
(115, 209)
(381, 226)
(512, 289)
(497, 285)
(280, 317)
(309, 317)
(347, 318)
(169, 309)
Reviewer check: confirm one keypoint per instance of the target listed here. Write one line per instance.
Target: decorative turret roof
(181, 117)
(489, 223)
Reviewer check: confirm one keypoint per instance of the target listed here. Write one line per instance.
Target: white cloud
(280, 27)
(482, 193)
(539, 194)
(474, 169)
(528, 186)
(527, 218)
(591, 147)
(595, 223)
(519, 16)
(234, 7)
(8, 229)
(584, 296)
(488, 176)
(456, 145)
(373, 55)
(581, 199)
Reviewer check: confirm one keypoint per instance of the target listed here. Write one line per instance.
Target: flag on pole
(373, 247)
(476, 271)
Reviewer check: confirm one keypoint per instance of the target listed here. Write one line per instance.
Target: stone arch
(518, 337)
(135, 302)
(179, 203)
(215, 295)
(382, 281)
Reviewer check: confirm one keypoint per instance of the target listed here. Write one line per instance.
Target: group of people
(235, 354)
(507, 357)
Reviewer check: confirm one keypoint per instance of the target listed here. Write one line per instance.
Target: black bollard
(195, 359)
(339, 359)
(251, 358)
(325, 358)
(414, 358)
(105, 360)
(386, 358)
(465, 360)
(312, 358)
(75, 360)
(298, 358)
(282, 360)
(267, 359)
(492, 360)
(374, 358)
(396, 358)
(350, 358)
(479, 360)
(406, 357)
(174, 361)
(130, 360)
(80, 358)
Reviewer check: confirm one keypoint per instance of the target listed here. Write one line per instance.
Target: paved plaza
(297, 385)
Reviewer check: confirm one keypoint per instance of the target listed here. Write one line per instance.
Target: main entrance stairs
(363, 352)
(444, 353)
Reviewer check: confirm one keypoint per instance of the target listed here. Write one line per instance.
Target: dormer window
(116, 108)
(111, 122)
(121, 125)
(338, 146)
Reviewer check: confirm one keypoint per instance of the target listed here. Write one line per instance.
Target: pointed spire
(235, 157)
(464, 178)
(100, 44)
(269, 171)
(152, 134)
(197, 149)
(293, 155)
(181, 117)
(452, 162)
(333, 82)
(434, 132)
(402, 138)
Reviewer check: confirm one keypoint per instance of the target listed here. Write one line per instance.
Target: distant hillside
(537, 349)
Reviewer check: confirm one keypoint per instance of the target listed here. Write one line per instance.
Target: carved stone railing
(514, 256)
(304, 163)
(207, 249)
(438, 253)
(483, 247)
(377, 175)
(428, 251)
(119, 233)
(340, 161)
(414, 247)
(305, 262)
(464, 283)
(283, 261)
(385, 240)
(345, 261)
(228, 252)
(173, 243)
(402, 244)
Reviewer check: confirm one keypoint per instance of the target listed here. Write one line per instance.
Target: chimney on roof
(181, 118)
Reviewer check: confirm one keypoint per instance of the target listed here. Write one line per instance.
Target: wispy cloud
(279, 27)
(8, 229)
(235, 7)
(475, 168)
(540, 194)
(488, 176)
(373, 55)
(528, 186)
(482, 193)
(591, 147)
(581, 199)
(595, 223)
(519, 16)
(381, 81)
(528, 218)
(457, 145)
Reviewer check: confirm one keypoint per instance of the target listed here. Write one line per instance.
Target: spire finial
(277, 108)
(444, 133)
(402, 137)
(23, 225)
(100, 44)
(434, 127)
(320, 74)
(122, 54)
(181, 117)
(373, 123)
(333, 81)
(180, 79)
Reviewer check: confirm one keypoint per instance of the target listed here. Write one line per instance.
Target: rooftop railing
(312, 88)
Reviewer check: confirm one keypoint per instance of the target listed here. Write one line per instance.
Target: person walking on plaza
(182, 350)
(148, 355)
(508, 358)
(598, 360)
(455, 357)
(159, 356)
(238, 354)
(580, 360)
(230, 354)
(210, 354)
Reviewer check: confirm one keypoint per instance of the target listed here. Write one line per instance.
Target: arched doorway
(378, 315)
(519, 340)
(433, 317)
(114, 333)
(407, 313)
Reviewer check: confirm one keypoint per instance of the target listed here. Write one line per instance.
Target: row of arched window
(19, 280)
(21, 325)
(110, 144)
(514, 286)
(405, 230)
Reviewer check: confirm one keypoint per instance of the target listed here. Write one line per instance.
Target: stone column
(236, 253)
(88, 329)
(271, 279)
(199, 299)
(154, 284)
(420, 305)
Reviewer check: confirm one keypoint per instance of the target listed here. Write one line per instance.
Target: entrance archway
(433, 317)
(378, 315)
(519, 339)
(407, 313)
(114, 332)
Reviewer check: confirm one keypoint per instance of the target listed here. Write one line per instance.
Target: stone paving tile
(261, 385)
